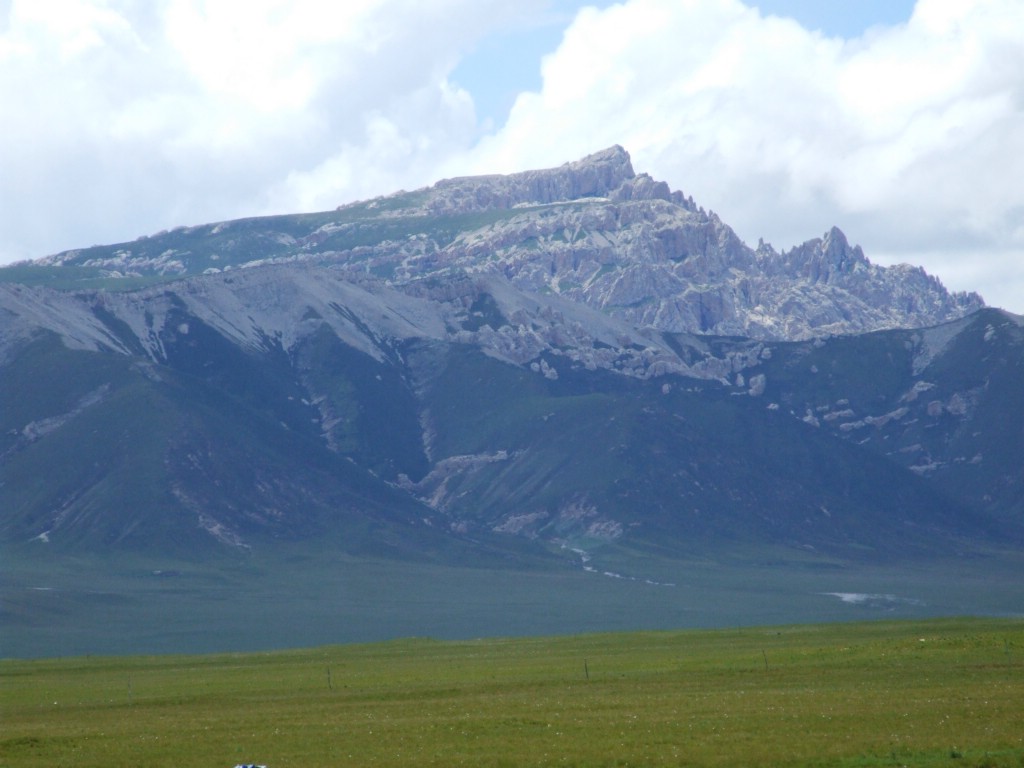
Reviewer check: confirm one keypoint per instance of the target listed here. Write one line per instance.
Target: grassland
(944, 692)
(60, 605)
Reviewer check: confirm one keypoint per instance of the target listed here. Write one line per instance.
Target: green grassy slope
(143, 457)
(190, 251)
(679, 470)
(952, 414)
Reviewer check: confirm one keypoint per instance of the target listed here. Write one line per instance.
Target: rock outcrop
(592, 232)
(596, 175)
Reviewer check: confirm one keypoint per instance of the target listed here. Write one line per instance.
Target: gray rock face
(596, 233)
(591, 232)
(596, 175)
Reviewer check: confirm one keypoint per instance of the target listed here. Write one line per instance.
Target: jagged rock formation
(650, 256)
(597, 175)
(592, 232)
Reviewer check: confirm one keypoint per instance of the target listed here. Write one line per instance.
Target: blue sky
(902, 123)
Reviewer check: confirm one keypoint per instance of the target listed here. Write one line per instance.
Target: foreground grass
(930, 693)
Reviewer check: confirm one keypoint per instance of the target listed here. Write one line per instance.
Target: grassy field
(945, 692)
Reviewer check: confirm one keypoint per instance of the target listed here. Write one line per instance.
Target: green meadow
(945, 692)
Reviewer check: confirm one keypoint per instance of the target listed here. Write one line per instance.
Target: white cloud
(122, 118)
(387, 151)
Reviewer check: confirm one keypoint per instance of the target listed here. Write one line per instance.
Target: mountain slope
(160, 458)
(233, 410)
(476, 407)
(942, 402)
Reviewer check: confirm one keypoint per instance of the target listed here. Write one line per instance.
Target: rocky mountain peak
(824, 259)
(591, 232)
(838, 252)
(643, 187)
(596, 175)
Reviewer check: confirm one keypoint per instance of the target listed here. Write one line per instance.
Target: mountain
(592, 232)
(519, 372)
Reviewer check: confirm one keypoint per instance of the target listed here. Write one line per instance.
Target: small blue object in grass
(250, 765)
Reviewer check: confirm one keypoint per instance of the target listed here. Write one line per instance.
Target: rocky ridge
(590, 232)
(596, 233)
(259, 309)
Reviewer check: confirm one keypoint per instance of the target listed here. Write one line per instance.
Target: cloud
(910, 138)
(122, 118)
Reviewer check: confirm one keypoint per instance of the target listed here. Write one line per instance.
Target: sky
(900, 122)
